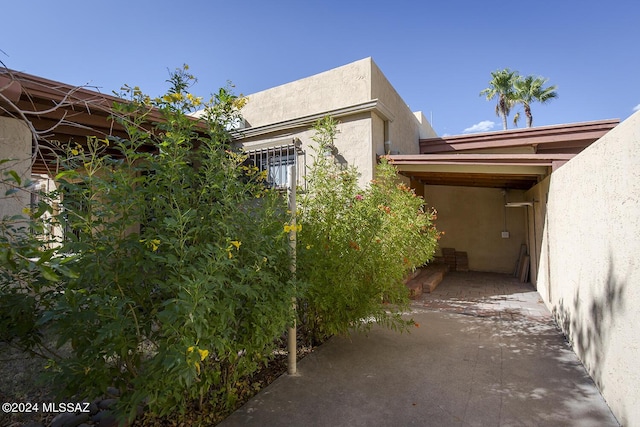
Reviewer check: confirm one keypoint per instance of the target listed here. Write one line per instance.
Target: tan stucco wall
(15, 144)
(536, 217)
(362, 133)
(405, 128)
(473, 220)
(589, 274)
(353, 131)
(333, 89)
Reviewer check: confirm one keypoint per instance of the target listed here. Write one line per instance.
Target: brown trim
(554, 138)
(494, 180)
(480, 159)
(62, 112)
(465, 160)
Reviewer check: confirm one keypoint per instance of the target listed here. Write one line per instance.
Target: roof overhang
(483, 160)
(566, 138)
(518, 171)
(59, 112)
(374, 105)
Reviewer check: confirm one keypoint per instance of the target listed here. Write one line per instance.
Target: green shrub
(180, 281)
(355, 246)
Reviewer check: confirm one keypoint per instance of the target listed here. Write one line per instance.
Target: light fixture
(518, 204)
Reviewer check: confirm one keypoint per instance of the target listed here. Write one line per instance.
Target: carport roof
(472, 161)
(59, 112)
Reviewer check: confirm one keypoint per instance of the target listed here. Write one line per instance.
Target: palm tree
(501, 85)
(529, 89)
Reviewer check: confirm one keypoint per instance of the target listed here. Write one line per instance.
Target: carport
(479, 185)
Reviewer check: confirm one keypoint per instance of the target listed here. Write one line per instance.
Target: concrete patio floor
(486, 353)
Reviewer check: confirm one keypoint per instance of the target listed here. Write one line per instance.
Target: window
(275, 161)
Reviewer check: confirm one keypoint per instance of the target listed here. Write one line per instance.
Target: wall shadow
(586, 323)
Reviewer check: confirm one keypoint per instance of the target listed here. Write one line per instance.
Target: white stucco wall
(473, 220)
(15, 144)
(589, 272)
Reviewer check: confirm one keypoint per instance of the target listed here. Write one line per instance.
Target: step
(426, 279)
(432, 281)
(414, 283)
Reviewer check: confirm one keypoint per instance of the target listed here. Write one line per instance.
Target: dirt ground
(21, 382)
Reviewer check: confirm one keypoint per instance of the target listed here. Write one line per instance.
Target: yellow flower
(203, 355)
(74, 152)
(230, 255)
(26, 211)
(236, 243)
(288, 228)
(155, 244)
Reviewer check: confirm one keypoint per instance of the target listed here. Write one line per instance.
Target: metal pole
(292, 339)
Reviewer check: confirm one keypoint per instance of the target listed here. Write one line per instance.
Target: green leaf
(66, 174)
(49, 274)
(15, 176)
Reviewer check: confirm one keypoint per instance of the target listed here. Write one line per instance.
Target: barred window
(275, 161)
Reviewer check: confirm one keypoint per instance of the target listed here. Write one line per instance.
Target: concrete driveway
(486, 353)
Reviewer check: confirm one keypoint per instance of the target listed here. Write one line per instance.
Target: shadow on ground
(455, 369)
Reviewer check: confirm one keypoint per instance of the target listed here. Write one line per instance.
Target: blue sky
(437, 54)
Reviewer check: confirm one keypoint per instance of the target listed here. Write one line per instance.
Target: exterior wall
(536, 219)
(405, 128)
(15, 144)
(362, 129)
(589, 272)
(426, 131)
(473, 219)
(330, 90)
(352, 131)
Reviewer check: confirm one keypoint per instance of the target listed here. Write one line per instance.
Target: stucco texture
(15, 145)
(589, 271)
(368, 108)
(330, 90)
(473, 219)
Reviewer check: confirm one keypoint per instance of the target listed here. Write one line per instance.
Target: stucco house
(568, 195)
(374, 120)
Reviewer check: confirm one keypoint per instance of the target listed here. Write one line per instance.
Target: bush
(180, 282)
(356, 246)
(173, 280)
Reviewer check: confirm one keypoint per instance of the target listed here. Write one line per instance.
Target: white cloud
(483, 126)
(636, 108)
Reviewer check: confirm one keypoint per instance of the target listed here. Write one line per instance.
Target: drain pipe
(292, 346)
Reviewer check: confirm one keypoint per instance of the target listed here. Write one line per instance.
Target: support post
(292, 368)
